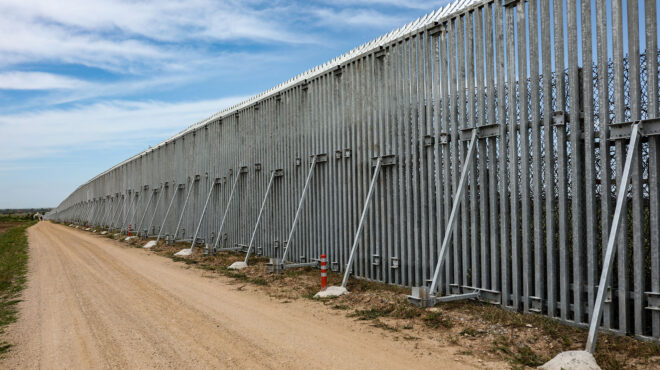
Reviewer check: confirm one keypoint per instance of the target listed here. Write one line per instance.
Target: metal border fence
(549, 91)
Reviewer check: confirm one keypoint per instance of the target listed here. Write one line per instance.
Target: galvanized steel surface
(552, 101)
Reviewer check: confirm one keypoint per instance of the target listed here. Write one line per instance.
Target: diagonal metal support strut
(451, 224)
(160, 195)
(356, 240)
(300, 204)
(201, 218)
(183, 209)
(224, 216)
(261, 211)
(608, 258)
(167, 213)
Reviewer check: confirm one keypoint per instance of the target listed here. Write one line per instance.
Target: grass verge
(13, 266)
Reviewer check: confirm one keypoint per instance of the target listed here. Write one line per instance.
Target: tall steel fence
(548, 89)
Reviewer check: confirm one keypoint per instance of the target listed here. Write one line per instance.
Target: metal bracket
(235, 248)
(217, 180)
(278, 172)
(274, 266)
(380, 53)
(485, 131)
(429, 140)
(298, 161)
(444, 138)
(437, 28)
(647, 127)
(653, 300)
(394, 262)
(257, 167)
(182, 186)
(559, 118)
(243, 169)
(197, 177)
(347, 153)
(385, 160)
(536, 304)
(338, 154)
(320, 158)
(421, 297)
(375, 260)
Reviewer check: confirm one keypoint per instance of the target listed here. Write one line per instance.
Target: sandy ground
(93, 303)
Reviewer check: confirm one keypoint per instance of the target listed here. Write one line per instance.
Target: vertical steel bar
(639, 301)
(651, 28)
(619, 116)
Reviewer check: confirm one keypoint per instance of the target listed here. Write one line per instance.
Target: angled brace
(451, 224)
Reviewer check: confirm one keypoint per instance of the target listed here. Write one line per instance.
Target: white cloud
(102, 125)
(356, 17)
(38, 81)
(128, 37)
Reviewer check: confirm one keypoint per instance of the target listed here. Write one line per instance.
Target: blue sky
(85, 84)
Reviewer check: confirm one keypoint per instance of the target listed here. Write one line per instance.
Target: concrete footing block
(331, 291)
(238, 265)
(149, 244)
(572, 360)
(184, 252)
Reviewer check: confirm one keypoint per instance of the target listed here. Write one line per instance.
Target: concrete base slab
(103, 232)
(238, 265)
(184, 252)
(129, 238)
(331, 291)
(93, 231)
(87, 229)
(572, 360)
(149, 244)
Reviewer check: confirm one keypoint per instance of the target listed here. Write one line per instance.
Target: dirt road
(94, 303)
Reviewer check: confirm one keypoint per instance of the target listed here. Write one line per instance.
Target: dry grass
(13, 267)
(482, 330)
